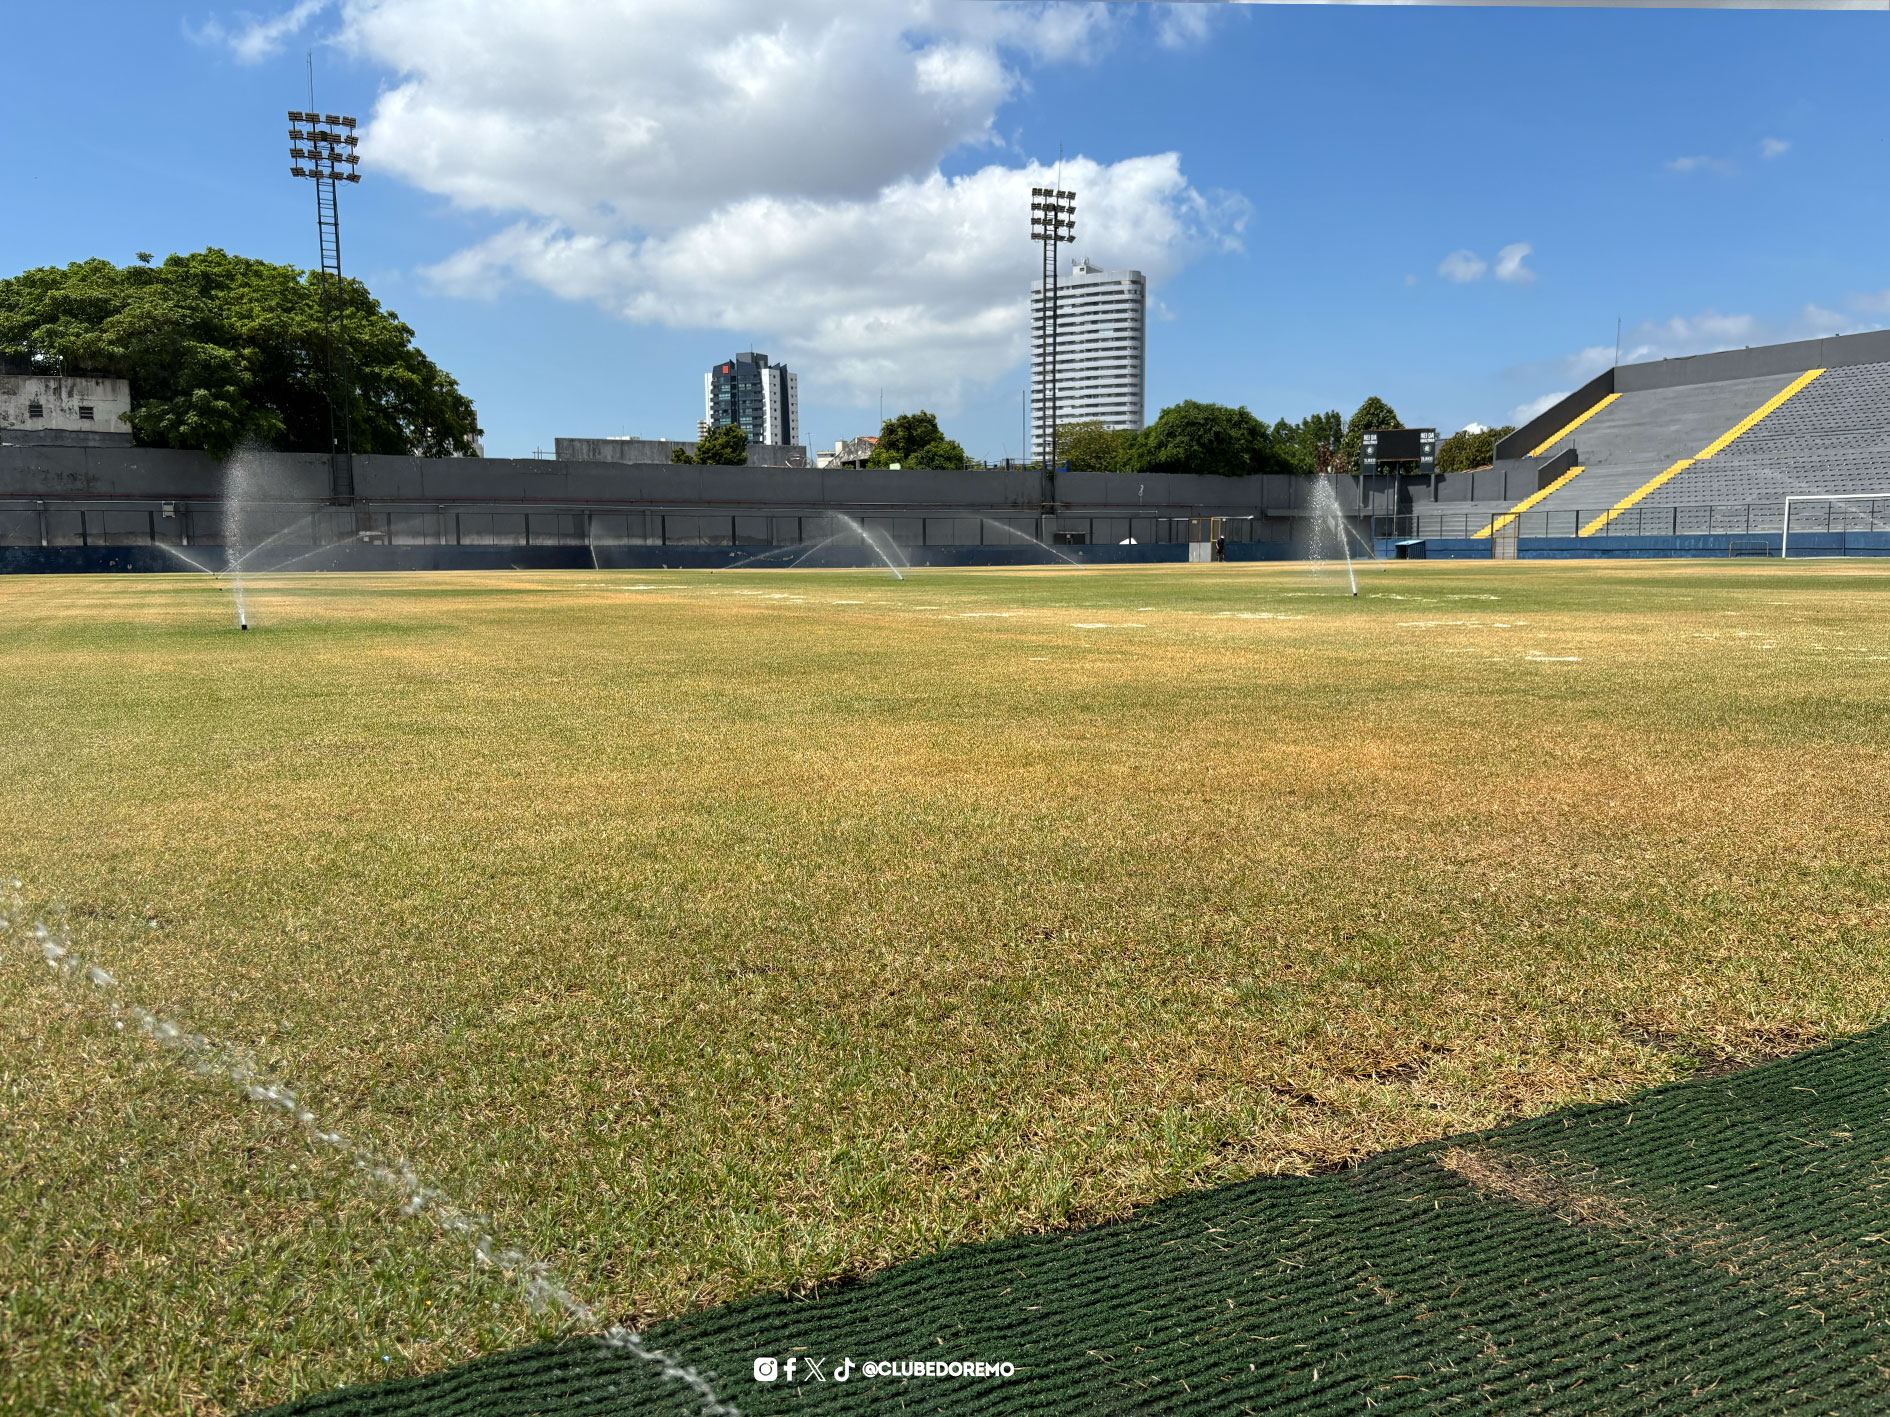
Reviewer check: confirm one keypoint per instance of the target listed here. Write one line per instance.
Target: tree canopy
(220, 349)
(722, 446)
(1463, 451)
(1095, 447)
(915, 440)
(1206, 437)
(1299, 443)
(904, 437)
(1373, 413)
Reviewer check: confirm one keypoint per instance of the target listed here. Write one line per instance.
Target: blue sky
(579, 217)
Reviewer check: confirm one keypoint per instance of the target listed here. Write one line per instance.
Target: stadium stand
(1500, 522)
(1705, 445)
(1641, 435)
(1712, 449)
(1833, 439)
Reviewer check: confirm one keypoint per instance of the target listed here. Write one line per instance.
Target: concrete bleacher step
(1719, 444)
(1831, 439)
(1562, 480)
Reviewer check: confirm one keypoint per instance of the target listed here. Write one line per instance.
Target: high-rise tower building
(1101, 334)
(762, 399)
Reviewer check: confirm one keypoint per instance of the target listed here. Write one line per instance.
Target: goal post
(1785, 526)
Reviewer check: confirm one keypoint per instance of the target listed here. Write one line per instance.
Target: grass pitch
(716, 934)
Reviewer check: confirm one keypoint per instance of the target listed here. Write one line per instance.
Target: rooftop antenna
(1617, 341)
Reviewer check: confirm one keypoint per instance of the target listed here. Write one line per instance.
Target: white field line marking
(234, 1067)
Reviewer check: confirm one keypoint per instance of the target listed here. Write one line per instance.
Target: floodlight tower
(322, 150)
(1052, 222)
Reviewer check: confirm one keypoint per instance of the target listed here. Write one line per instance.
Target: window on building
(35, 409)
(85, 411)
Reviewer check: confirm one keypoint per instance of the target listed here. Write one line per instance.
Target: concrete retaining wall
(157, 473)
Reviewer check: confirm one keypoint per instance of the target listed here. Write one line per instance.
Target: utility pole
(322, 150)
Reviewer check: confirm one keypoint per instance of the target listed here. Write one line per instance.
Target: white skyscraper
(1101, 323)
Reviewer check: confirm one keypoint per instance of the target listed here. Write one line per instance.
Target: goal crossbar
(1785, 526)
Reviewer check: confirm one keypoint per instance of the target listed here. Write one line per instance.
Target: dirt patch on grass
(1735, 1051)
(1518, 1179)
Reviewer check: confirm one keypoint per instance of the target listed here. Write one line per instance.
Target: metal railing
(1863, 513)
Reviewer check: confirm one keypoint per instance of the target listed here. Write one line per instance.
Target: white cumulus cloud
(1723, 167)
(919, 287)
(773, 168)
(1509, 263)
(252, 38)
(1462, 266)
(1523, 412)
(1774, 147)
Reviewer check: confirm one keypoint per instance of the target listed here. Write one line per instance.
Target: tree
(1299, 443)
(905, 437)
(1461, 452)
(725, 446)
(1373, 413)
(1206, 437)
(945, 454)
(1095, 447)
(220, 349)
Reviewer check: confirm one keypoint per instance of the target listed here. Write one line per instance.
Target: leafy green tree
(945, 453)
(1299, 443)
(725, 446)
(1373, 413)
(1206, 437)
(1461, 452)
(1095, 447)
(903, 438)
(220, 349)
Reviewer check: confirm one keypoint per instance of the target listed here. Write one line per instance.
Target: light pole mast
(1052, 221)
(323, 152)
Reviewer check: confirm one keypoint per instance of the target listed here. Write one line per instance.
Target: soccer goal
(1875, 516)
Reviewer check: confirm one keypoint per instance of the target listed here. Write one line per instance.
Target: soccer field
(717, 933)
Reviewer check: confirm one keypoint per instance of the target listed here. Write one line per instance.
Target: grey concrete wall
(39, 471)
(658, 450)
(1556, 416)
(1836, 352)
(157, 473)
(64, 438)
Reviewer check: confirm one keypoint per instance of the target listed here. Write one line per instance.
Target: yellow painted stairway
(1498, 523)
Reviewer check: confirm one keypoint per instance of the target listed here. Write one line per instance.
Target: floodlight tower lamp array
(327, 144)
(1052, 222)
(322, 149)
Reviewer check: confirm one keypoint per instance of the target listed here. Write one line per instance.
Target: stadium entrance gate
(1205, 533)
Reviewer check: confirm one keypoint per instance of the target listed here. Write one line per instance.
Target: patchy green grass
(750, 930)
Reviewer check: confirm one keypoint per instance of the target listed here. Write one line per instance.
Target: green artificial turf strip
(1709, 1246)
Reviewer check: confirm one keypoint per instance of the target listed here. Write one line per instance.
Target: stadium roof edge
(1833, 352)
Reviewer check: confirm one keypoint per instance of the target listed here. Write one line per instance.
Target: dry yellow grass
(753, 930)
